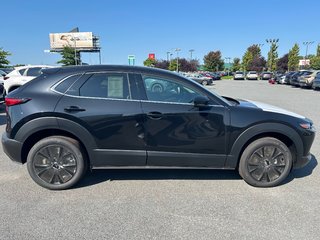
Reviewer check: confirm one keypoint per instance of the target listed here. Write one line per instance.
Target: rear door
(103, 103)
(176, 132)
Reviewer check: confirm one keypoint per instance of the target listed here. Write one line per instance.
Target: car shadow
(99, 176)
(103, 175)
(303, 172)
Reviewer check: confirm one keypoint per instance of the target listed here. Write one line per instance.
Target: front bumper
(303, 161)
(12, 148)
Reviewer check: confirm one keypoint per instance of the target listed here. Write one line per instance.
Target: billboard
(79, 40)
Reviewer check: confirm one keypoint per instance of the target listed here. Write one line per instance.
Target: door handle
(74, 109)
(154, 115)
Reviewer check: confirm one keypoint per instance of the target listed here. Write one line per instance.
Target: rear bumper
(12, 148)
(305, 84)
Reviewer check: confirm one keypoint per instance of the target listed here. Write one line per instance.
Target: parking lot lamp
(191, 51)
(228, 61)
(305, 57)
(75, 39)
(177, 50)
(168, 56)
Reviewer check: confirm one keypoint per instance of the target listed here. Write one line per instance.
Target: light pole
(305, 57)
(272, 43)
(75, 39)
(168, 56)
(228, 61)
(191, 51)
(177, 50)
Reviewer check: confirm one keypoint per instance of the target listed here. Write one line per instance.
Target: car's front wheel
(266, 162)
(56, 162)
(204, 82)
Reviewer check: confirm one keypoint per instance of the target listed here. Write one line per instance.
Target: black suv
(73, 118)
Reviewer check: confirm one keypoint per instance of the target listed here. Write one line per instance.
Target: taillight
(5, 78)
(15, 101)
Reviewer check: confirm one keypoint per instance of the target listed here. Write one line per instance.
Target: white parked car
(22, 75)
(252, 75)
(239, 75)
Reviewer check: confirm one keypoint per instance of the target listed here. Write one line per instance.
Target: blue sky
(141, 27)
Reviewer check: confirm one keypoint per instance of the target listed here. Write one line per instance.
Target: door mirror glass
(201, 101)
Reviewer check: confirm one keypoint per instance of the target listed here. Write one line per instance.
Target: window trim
(87, 97)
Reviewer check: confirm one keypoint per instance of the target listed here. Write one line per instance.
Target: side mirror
(201, 101)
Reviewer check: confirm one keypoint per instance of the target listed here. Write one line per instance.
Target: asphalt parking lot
(171, 204)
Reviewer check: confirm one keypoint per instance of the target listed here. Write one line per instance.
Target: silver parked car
(239, 75)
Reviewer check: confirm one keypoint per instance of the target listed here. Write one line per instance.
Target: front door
(177, 132)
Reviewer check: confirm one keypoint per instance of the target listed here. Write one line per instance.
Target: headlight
(307, 126)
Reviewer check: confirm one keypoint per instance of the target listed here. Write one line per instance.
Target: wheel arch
(37, 129)
(279, 131)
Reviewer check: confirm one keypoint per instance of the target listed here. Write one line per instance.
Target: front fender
(263, 128)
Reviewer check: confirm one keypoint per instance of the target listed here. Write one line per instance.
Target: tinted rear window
(106, 85)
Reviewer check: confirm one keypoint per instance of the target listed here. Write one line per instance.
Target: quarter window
(164, 90)
(106, 85)
(65, 84)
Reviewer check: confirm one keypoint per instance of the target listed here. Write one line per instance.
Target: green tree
(149, 62)
(315, 62)
(236, 65)
(293, 58)
(3, 58)
(213, 61)
(68, 57)
(251, 57)
(247, 60)
(273, 57)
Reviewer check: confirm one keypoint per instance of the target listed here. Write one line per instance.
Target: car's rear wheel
(266, 162)
(56, 162)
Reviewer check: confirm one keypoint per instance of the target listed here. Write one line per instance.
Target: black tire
(204, 82)
(56, 162)
(266, 162)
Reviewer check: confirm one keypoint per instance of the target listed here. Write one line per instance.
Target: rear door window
(106, 85)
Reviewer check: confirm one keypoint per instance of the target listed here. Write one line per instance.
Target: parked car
(22, 75)
(239, 76)
(202, 79)
(316, 82)
(294, 80)
(252, 75)
(7, 70)
(73, 118)
(215, 76)
(2, 75)
(266, 75)
(288, 77)
(306, 80)
(280, 78)
(2, 92)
